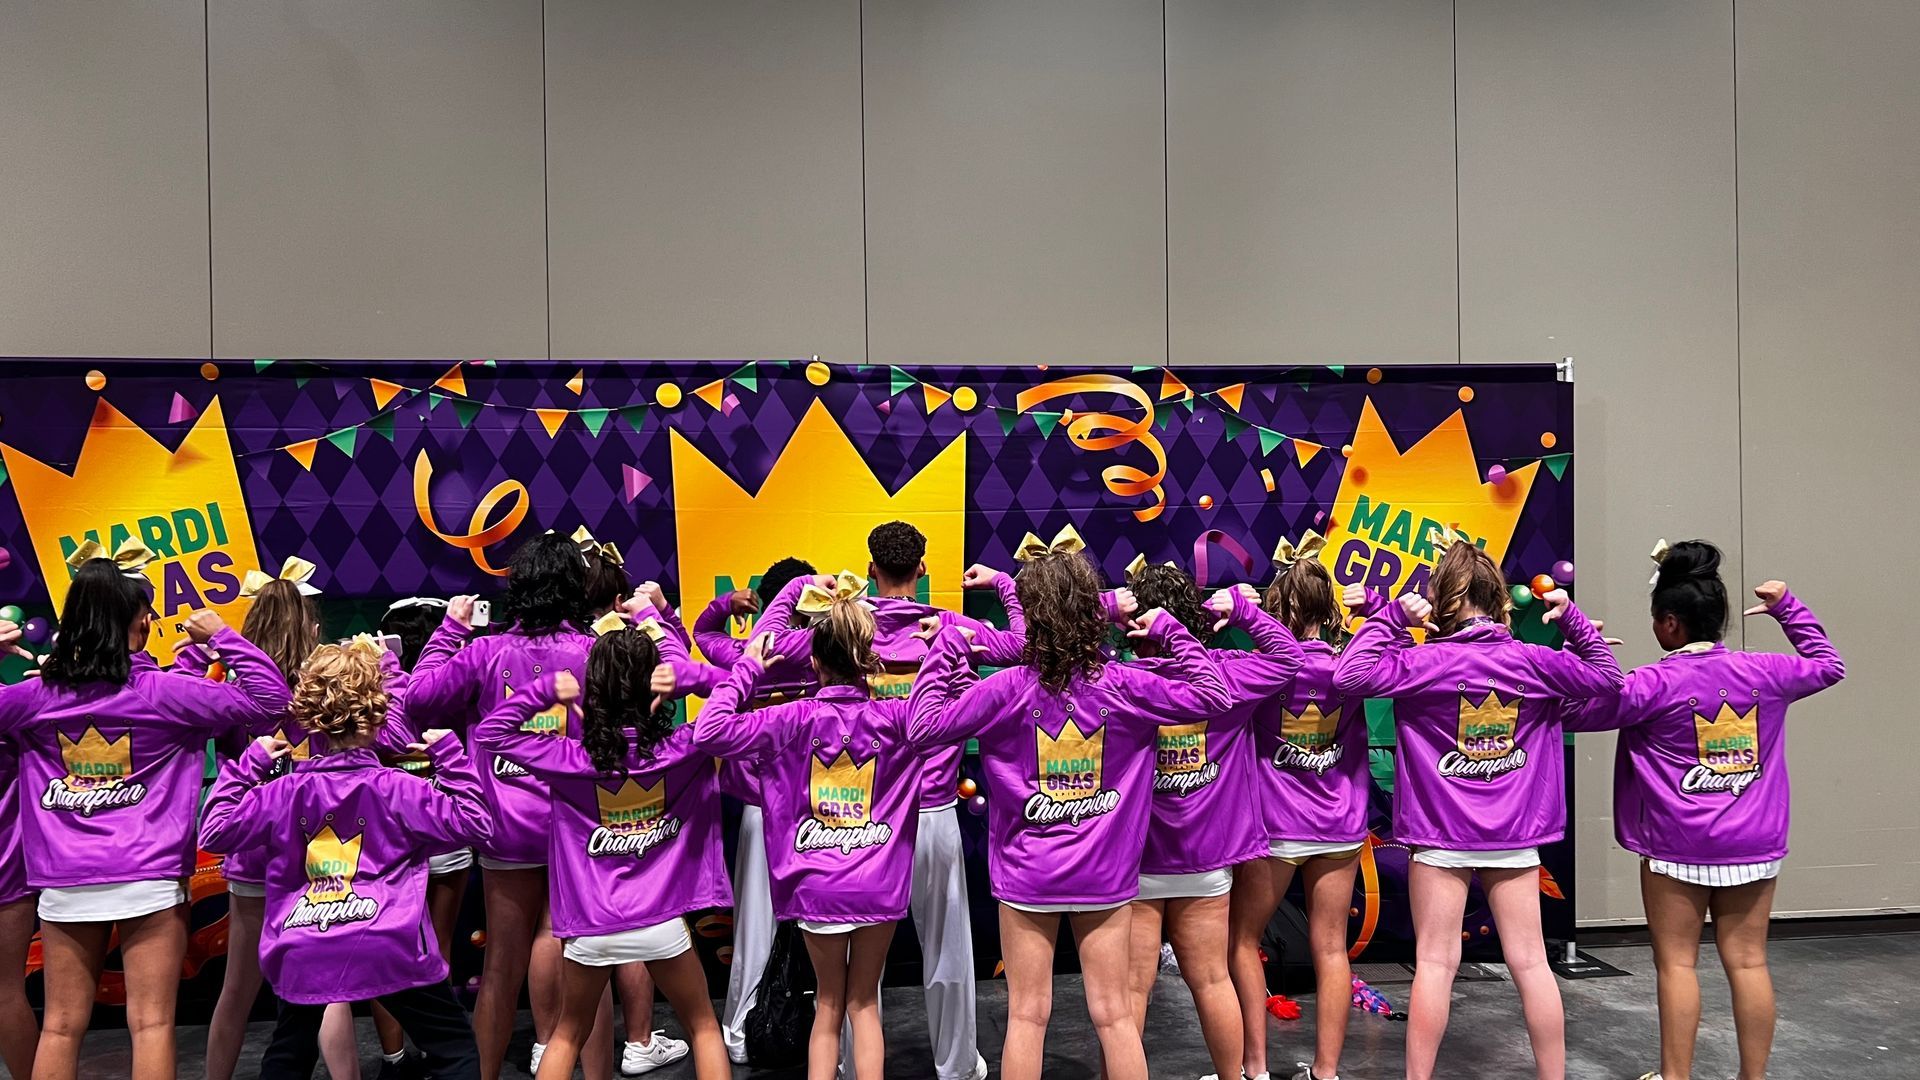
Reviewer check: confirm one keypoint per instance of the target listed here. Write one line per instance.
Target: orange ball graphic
(968, 789)
(1543, 584)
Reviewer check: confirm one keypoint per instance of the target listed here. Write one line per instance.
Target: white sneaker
(1306, 1073)
(1655, 1075)
(979, 1068)
(738, 1057)
(533, 1059)
(639, 1058)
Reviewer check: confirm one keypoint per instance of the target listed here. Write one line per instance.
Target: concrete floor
(1846, 1010)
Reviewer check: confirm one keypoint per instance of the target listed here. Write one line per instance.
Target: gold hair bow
(131, 556)
(364, 643)
(1289, 552)
(1659, 555)
(814, 600)
(615, 620)
(1442, 537)
(590, 546)
(1065, 542)
(295, 569)
(1139, 563)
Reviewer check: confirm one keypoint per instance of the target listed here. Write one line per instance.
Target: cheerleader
(840, 788)
(1066, 744)
(1310, 746)
(1481, 781)
(110, 768)
(1700, 790)
(1204, 825)
(634, 844)
(19, 1028)
(346, 841)
(459, 679)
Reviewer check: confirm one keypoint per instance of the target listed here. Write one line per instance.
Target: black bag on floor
(781, 1020)
(1289, 957)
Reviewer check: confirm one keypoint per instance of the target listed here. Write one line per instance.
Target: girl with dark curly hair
(1066, 745)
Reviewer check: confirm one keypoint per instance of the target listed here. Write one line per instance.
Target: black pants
(429, 1014)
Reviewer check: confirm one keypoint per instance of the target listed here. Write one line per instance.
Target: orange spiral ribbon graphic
(480, 534)
(1108, 431)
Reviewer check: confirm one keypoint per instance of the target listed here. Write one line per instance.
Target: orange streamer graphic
(480, 534)
(1370, 890)
(1108, 431)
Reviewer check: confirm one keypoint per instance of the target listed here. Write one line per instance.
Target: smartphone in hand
(482, 613)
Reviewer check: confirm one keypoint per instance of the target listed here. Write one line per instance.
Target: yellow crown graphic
(842, 791)
(331, 865)
(93, 762)
(1486, 729)
(1070, 765)
(182, 503)
(1310, 729)
(1729, 741)
(1392, 498)
(548, 721)
(826, 499)
(631, 807)
(1179, 748)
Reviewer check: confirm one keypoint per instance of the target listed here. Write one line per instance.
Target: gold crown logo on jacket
(331, 865)
(1070, 764)
(1729, 741)
(842, 792)
(1487, 729)
(1180, 748)
(93, 762)
(551, 720)
(1309, 729)
(630, 807)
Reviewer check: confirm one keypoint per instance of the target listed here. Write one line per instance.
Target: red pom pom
(1283, 1007)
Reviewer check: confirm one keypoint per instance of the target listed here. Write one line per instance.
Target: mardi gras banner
(401, 478)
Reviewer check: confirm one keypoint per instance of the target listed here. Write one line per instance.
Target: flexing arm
(1585, 668)
(256, 697)
(446, 679)
(1374, 663)
(949, 701)
(1276, 658)
(1195, 689)
(710, 633)
(1817, 667)
(726, 729)
(452, 813)
(238, 815)
(544, 756)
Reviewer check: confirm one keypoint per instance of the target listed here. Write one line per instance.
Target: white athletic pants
(752, 930)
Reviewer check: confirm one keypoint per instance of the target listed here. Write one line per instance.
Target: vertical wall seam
(1739, 357)
(206, 77)
(866, 288)
(1459, 330)
(1166, 193)
(546, 187)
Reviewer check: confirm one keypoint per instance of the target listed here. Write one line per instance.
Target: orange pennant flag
(935, 396)
(1232, 395)
(714, 393)
(1304, 451)
(1266, 477)
(1171, 386)
(551, 419)
(302, 452)
(578, 384)
(454, 381)
(383, 391)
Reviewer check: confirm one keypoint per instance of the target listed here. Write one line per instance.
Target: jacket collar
(841, 692)
(360, 757)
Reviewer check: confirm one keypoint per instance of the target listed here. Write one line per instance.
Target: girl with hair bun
(840, 788)
(1067, 742)
(1480, 782)
(1700, 789)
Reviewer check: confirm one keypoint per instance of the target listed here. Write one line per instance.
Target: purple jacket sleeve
(950, 703)
(1276, 658)
(669, 618)
(1817, 667)
(1375, 662)
(451, 812)
(778, 618)
(542, 755)
(724, 729)
(1197, 689)
(710, 634)
(1585, 668)
(257, 695)
(194, 660)
(997, 647)
(446, 682)
(396, 733)
(239, 814)
(1611, 712)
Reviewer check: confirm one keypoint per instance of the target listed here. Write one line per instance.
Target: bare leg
(1146, 920)
(516, 904)
(444, 894)
(151, 949)
(339, 1043)
(866, 959)
(1103, 938)
(73, 954)
(684, 982)
(227, 1029)
(1439, 896)
(829, 955)
(19, 1030)
(1514, 896)
(636, 1001)
(581, 988)
(1257, 888)
(597, 1057)
(393, 1039)
(1329, 886)
(1675, 913)
(1026, 946)
(1198, 929)
(1740, 916)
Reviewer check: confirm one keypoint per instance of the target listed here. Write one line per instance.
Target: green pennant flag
(1046, 422)
(1304, 385)
(486, 363)
(383, 424)
(747, 377)
(1146, 367)
(434, 400)
(635, 416)
(1188, 402)
(465, 410)
(3, 472)
(346, 440)
(1235, 426)
(1557, 464)
(1162, 417)
(901, 381)
(261, 365)
(595, 419)
(1269, 439)
(1008, 418)
(1337, 369)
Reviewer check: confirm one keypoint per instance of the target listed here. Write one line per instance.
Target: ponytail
(843, 642)
(1467, 577)
(1301, 597)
